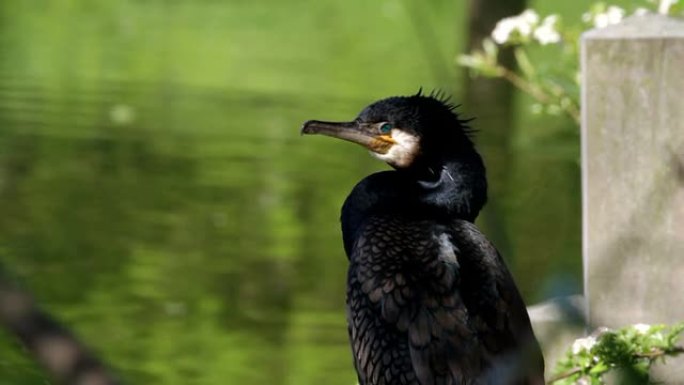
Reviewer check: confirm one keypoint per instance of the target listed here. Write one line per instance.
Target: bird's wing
(420, 281)
(410, 282)
(496, 308)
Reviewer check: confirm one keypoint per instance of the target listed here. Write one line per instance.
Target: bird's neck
(454, 188)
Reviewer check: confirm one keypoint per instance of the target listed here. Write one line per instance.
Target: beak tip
(306, 128)
(309, 127)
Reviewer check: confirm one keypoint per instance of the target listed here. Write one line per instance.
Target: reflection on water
(171, 245)
(155, 193)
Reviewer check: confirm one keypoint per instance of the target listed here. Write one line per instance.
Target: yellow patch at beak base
(381, 144)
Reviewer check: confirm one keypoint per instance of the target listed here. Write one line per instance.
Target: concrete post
(633, 174)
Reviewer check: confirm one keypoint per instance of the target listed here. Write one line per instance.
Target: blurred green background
(156, 196)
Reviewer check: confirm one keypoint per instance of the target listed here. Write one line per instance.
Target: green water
(156, 196)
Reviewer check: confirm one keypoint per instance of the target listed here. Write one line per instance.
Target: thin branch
(564, 375)
(524, 85)
(536, 92)
(655, 353)
(50, 343)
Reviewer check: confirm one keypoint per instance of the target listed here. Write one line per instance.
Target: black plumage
(429, 299)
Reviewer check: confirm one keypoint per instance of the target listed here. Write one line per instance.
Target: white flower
(529, 16)
(547, 33)
(612, 15)
(642, 328)
(615, 14)
(583, 344)
(641, 11)
(521, 24)
(502, 31)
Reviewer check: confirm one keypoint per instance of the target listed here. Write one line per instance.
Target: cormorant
(429, 299)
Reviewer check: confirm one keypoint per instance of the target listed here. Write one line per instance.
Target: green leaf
(524, 62)
(491, 50)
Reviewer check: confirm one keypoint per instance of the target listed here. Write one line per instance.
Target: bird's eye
(385, 128)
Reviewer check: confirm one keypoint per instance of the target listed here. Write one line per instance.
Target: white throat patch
(403, 152)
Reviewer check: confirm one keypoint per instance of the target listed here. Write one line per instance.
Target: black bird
(429, 299)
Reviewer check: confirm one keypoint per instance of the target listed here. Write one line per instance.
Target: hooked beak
(351, 131)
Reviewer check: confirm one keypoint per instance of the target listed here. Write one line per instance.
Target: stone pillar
(633, 174)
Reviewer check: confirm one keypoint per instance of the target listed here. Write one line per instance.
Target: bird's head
(404, 131)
